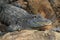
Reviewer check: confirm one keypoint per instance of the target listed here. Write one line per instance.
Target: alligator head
(39, 21)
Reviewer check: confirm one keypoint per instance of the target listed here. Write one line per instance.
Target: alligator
(17, 18)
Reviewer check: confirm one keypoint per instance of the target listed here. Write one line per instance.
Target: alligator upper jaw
(43, 28)
(48, 24)
(39, 24)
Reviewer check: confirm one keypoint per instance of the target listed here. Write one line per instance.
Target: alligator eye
(25, 0)
(34, 16)
(58, 7)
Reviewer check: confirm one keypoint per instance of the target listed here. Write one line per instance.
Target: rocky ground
(31, 35)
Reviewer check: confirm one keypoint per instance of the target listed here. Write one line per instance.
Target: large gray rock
(55, 4)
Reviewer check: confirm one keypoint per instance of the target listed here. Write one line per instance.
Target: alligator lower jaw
(43, 28)
(47, 27)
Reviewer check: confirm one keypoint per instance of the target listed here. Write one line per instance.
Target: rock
(56, 7)
(57, 35)
(29, 35)
(16, 4)
(42, 7)
(22, 3)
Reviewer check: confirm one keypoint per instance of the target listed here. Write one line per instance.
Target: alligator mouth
(48, 24)
(43, 28)
(39, 24)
